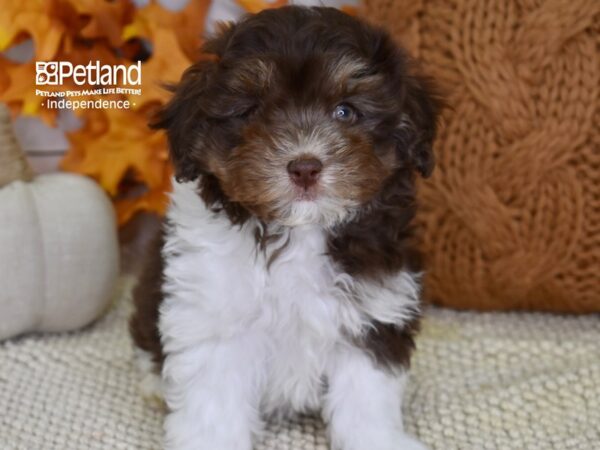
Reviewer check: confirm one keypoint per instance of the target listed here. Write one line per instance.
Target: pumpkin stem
(13, 164)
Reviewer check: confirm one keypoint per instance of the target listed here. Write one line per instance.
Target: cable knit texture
(511, 217)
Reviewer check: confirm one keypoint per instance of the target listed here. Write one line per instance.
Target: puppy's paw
(150, 387)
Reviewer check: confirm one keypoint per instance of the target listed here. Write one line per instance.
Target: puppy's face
(302, 116)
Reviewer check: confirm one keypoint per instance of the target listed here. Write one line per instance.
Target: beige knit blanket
(479, 381)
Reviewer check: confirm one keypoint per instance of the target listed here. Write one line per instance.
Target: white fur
(151, 383)
(243, 339)
(328, 208)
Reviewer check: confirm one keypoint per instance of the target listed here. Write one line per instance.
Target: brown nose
(305, 172)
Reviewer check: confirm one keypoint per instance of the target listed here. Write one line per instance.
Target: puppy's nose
(305, 172)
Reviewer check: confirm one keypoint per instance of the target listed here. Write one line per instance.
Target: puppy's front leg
(363, 404)
(212, 392)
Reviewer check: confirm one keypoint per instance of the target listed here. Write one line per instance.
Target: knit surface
(13, 164)
(497, 381)
(511, 217)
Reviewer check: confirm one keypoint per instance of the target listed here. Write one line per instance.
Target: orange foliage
(169, 34)
(255, 6)
(115, 147)
(50, 24)
(103, 19)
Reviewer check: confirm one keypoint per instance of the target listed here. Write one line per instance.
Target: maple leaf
(185, 23)
(49, 23)
(52, 26)
(104, 19)
(18, 81)
(154, 199)
(113, 142)
(254, 6)
(82, 53)
(350, 9)
(115, 145)
(17, 90)
(166, 31)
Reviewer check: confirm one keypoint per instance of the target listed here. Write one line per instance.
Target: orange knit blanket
(511, 217)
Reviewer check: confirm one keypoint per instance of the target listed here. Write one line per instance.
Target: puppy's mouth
(306, 195)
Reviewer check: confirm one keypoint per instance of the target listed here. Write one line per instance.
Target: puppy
(284, 280)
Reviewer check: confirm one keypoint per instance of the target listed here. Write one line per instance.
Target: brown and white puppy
(286, 281)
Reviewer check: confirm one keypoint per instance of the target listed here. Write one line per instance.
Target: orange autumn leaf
(115, 146)
(254, 6)
(4, 76)
(49, 23)
(185, 24)
(165, 30)
(165, 66)
(153, 200)
(82, 54)
(104, 19)
(113, 143)
(18, 87)
(17, 90)
(17, 84)
(351, 10)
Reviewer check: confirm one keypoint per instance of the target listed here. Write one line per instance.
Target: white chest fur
(247, 330)
(304, 304)
(290, 311)
(219, 284)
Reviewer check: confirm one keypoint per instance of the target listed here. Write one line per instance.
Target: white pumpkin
(59, 256)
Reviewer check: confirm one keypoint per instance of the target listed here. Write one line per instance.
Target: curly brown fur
(234, 123)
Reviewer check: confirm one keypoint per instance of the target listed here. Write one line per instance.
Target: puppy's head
(301, 116)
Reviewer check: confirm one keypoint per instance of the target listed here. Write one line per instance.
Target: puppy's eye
(244, 114)
(345, 113)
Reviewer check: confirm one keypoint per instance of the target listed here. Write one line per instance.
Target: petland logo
(104, 86)
(54, 73)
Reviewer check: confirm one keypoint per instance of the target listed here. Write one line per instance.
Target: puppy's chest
(302, 315)
(288, 299)
(302, 296)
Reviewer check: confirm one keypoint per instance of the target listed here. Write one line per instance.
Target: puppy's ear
(417, 127)
(185, 116)
(184, 121)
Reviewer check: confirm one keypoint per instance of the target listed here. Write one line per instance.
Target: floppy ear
(418, 124)
(184, 121)
(185, 116)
